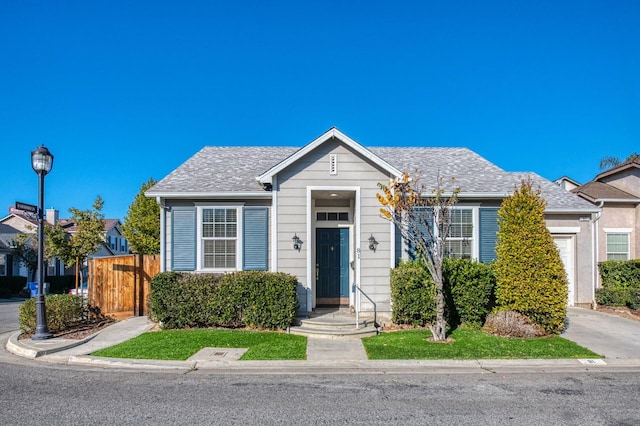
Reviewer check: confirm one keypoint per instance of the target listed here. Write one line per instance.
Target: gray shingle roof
(215, 170)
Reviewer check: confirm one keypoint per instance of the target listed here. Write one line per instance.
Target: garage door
(565, 244)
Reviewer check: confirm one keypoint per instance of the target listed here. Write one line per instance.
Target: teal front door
(332, 266)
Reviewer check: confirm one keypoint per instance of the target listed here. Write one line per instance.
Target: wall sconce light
(373, 244)
(297, 242)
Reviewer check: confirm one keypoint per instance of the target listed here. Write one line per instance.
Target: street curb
(24, 351)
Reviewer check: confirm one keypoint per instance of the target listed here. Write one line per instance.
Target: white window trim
(199, 245)
(609, 231)
(474, 240)
(475, 234)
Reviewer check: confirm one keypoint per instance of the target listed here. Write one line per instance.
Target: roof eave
(203, 195)
(572, 210)
(619, 200)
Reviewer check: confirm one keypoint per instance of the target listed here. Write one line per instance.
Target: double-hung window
(219, 238)
(3, 264)
(459, 242)
(617, 246)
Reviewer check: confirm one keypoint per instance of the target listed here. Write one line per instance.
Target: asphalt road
(40, 393)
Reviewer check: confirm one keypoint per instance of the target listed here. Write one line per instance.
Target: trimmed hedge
(468, 287)
(62, 311)
(469, 290)
(241, 299)
(620, 283)
(413, 294)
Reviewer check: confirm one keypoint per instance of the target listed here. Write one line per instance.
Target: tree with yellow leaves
(423, 217)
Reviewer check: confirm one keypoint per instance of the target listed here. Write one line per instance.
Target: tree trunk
(439, 329)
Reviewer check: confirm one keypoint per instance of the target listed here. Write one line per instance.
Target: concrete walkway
(340, 349)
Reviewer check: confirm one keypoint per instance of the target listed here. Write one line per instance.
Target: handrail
(375, 309)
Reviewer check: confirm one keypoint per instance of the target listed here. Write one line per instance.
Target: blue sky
(124, 91)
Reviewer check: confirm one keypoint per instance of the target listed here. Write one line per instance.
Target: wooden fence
(119, 285)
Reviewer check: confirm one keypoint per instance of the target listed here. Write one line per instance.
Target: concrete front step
(334, 325)
(333, 333)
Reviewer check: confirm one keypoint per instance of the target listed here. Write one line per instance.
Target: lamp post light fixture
(42, 162)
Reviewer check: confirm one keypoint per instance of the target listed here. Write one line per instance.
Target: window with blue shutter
(488, 234)
(255, 239)
(183, 239)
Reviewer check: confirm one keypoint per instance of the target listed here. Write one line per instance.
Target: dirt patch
(621, 311)
(79, 331)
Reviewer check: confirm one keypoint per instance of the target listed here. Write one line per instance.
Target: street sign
(26, 207)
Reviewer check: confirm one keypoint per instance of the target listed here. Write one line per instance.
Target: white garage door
(565, 246)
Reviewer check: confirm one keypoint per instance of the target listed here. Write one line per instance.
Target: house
(20, 222)
(312, 212)
(617, 192)
(567, 183)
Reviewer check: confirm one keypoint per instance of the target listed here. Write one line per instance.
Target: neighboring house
(19, 222)
(7, 235)
(312, 212)
(567, 183)
(617, 192)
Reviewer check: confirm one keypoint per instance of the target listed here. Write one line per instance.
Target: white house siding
(353, 171)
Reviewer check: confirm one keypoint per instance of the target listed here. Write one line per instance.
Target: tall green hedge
(620, 283)
(530, 276)
(241, 299)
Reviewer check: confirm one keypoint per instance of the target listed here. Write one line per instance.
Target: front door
(332, 266)
(565, 247)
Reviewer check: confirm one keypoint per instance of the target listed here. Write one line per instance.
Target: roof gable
(632, 163)
(332, 133)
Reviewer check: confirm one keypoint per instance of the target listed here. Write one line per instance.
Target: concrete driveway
(605, 334)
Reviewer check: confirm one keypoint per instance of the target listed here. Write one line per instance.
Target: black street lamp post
(42, 162)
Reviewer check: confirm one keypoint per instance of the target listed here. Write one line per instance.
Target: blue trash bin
(33, 288)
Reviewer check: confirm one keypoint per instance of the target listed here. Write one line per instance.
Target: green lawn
(470, 344)
(181, 344)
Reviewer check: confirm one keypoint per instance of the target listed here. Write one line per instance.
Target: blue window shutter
(183, 239)
(488, 234)
(255, 239)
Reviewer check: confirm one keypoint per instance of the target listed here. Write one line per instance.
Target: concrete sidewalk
(618, 339)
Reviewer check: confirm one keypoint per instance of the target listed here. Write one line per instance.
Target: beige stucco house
(617, 192)
(312, 212)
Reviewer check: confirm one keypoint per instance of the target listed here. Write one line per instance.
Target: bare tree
(423, 217)
(608, 162)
